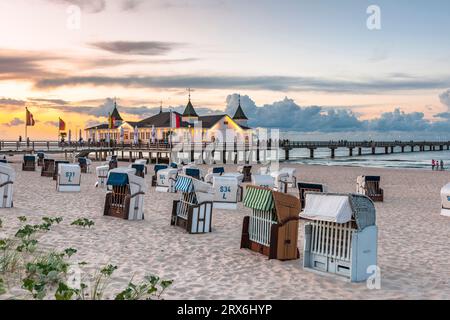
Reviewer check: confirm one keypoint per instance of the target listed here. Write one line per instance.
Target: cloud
(274, 83)
(22, 64)
(445, 98)
(52, 123)
(400, 121)
(130, 5)
(90, 6)
(50, 101)
(146, 48)
(14, 123)
(286, 114)
(11, 102)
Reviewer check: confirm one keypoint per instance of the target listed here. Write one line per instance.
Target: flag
(153, 135)
(30, 119)
(136, 135)
(175, 120)
(62, 125)
(122, 135)
(111, 122)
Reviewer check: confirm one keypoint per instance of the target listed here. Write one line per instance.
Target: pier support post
(350, 152)
(441, 147)
(224, 156)
(311, 153)
(392, 149)
(286, 154)
(373, 150)
(359, 151)
(191, 159)
(386, 150)
(258, 160)
(403, 149)
(333, 155)
(412, 148)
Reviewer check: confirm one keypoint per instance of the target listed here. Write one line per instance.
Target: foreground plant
(83, 222)
(152, 288)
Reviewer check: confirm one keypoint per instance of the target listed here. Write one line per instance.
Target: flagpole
(26, 124)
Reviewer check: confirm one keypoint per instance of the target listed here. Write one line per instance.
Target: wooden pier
(228, 152)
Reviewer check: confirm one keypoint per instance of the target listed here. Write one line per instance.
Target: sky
(307, 66)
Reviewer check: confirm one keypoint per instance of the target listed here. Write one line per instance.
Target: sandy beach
(413, 246)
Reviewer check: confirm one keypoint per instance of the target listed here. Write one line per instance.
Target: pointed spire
(115, 113)
(160, 108)
(240, 115)
(190, 111)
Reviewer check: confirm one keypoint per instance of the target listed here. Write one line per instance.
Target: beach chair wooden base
(47, 169)
(40, 162)
(154, 180)
(281, 247)
(198, 220)
(379, 197)
(28, 167)
(121, 212)
(84, 168)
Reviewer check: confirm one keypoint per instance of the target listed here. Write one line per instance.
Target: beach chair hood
(124, 176)
(258, 198)
(202, 190)
(340, 208)
(7, 173)
(263, 181)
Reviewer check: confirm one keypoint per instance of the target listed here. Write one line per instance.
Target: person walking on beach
(432, 164)
(442, 165)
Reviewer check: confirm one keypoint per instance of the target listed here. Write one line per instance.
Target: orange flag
(30, 119)
(62, 125)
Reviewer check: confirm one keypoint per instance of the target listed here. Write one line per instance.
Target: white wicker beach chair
(166, 180)
(102, 175)
(445, 197)
(125, 196)
(69, 178)
(7, 178)
(193, 212)
(340, 235)
(227, 192)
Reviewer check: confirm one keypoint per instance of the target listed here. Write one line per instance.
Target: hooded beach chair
(140, 169)
(247, 172)
(29, 163)
(214, 172)
(56, 168)
(291, 178)
(102, 175)
(7, 178)
(111, 162)
(265, 181)
(84, 164)
(143, 162)
(166, 180)
(156, 168)
(48, 168)
(281, 181)
(445, 197)
(125, 196)
(227, 192)
(272, 228)
(69, 178)
(193, 172)
(304, 187)
(340, 235)
(40, 158)
(370, 186)
(193, 212)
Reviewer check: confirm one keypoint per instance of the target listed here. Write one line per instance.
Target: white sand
(413, 247)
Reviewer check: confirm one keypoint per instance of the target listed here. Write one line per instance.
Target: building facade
(186, 127)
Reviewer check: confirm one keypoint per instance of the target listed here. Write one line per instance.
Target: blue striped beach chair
(193, 212)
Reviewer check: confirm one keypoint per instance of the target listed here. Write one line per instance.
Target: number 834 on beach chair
(227, 192)
(125, 196)
(272, 228)
(7, 178)
(193, 212)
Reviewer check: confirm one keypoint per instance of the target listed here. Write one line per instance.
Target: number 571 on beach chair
(69, 178)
